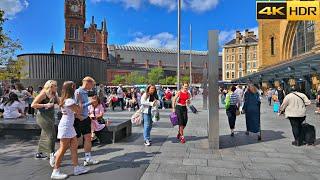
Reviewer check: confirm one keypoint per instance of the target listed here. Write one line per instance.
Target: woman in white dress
(67, 133)
(12, 107)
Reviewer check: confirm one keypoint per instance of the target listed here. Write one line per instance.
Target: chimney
(238, 37)
(92, 20)
(247, 33)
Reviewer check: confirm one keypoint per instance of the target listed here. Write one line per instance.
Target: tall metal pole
(178, 58)
(190, 57)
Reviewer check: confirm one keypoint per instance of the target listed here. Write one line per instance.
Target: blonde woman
(44, 103)
(318, 100)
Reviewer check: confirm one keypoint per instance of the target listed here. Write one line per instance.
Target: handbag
(173, 118)
(238, 112)
(136, 118)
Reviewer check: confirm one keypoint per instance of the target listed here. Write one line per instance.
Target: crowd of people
(82, 111)
(247, 100)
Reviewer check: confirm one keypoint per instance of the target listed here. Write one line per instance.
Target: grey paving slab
(288, 155)
(256, 174)
(163, 176)
(205, 156)
(219, 171)
(274, 160)
(308, 169)
(167, 160)
(195, 162)
(171, 168)
(268, 166)
(291, 175)
(201, 177)
(225, 164)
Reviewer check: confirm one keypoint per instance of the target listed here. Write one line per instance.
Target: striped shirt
(234, 99)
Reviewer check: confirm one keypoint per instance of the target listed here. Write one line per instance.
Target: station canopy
(297, 68)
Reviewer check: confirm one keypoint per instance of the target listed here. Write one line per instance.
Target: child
(67, 133)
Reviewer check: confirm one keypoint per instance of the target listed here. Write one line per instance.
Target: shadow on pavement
(188, 138)
(240, 139)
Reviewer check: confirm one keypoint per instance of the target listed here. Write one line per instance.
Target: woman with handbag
(148, 100)
(232, 103)
(179, 106)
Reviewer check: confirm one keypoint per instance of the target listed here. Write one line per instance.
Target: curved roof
(157, 50)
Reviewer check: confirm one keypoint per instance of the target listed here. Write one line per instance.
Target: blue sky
(38, 23)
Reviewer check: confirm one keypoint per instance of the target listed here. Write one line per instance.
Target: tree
(13, 70)
(155, 75)
(185, 79)
(170, 80)
(118, 79)
(135, 78)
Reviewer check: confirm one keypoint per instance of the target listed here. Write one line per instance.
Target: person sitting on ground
(294, 108)
(96, 112)
(12, 107)
(113, 100)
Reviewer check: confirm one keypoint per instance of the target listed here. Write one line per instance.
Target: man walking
(120, 95)
(239, 93)
(82, 123)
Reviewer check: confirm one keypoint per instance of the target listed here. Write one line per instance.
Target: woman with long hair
(12, 107)
(30, 99)
(232, 102)
(251, 109)
(44, 103)
(179, 105)
(22, 94)
(66, 132)
(148, 100)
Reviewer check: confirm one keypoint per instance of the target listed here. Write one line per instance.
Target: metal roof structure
(299, 67)
(156, 50)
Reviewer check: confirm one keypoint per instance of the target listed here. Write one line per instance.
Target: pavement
(239, 157)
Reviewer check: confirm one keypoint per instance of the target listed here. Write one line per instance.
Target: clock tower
(75, 18)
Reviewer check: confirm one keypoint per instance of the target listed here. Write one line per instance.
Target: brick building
(82, 41)
(240, 56)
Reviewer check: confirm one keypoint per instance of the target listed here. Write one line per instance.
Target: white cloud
(171, 5)
(161, 40)
(12, 7)
(228, 35)
(134, 4)
(202, 5)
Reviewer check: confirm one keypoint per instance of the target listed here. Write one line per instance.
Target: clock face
(75, 8)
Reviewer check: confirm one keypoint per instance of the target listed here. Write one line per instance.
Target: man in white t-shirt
(120, 96)
(239, 93)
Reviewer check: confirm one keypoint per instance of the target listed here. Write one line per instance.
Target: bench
(27, 128)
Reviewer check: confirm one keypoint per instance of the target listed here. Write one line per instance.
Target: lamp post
(190, 56)
(178, 44)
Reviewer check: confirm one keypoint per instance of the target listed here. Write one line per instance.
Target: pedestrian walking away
(179, 105)
(280, 93)
(44, 103)
(294, 108)
(251, 109)
(148, 100)
(82, 121)
(120, 95)
(232, 106)
(269, 96)
(67, 133)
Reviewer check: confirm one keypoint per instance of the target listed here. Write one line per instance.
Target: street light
(178, 54)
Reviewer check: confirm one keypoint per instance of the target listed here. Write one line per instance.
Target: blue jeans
(147, 126)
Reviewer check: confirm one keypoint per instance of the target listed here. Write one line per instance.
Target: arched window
(272, 45)
(93, 37)
(72, 32)
(304, 38)
(76, 32)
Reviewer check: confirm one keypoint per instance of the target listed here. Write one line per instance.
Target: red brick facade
(91, 42)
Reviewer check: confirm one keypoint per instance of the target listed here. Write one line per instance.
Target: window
(304, 39)
(72, 32)
(232, 66)
(228, 75)
(254, 56)
(248, 65)
(240, 74)
(240, 57)
(232, 58)
(240, 49)
(240, 65)
(227, 58)
(272, 45)
(248, 57)
(232, 75)
(233, 50)
(254, 65)
(93, 37)
(76, 32)
(227, 66)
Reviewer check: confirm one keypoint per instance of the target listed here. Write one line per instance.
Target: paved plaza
(239, 157)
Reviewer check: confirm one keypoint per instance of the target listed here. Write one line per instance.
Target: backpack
(227, 101)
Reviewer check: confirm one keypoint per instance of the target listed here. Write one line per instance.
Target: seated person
(12, 107)
(113, 100)
(96, 112)
(167, 99)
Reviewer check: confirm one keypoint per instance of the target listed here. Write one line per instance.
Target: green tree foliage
(13, 70)
(185, 79)
(135, 78)
(118, 79)
(170, 80)
(155, 75)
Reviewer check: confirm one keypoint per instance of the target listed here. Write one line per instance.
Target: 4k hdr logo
(290, 10)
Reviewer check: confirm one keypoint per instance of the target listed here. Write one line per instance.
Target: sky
(150, 23)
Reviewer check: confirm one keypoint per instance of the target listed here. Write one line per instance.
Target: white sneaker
(52, 160)
(80, 170)
(163, 108)
(56, 174)
(90, 162)
(147, 143)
